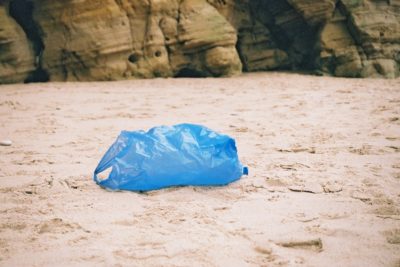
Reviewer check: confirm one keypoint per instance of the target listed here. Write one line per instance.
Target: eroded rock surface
(17, 59)
(128, 39)
(362, 39)
(125, 39)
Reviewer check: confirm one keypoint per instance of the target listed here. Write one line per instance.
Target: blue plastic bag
(184, 154)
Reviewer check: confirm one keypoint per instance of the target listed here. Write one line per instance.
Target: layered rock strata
(123, 39)
(362, 39)
(135, 39)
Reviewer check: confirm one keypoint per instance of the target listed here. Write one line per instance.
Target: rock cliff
(124, 39)
(17, 59)
(109, 40)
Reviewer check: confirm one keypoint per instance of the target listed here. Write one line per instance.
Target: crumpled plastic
(165, 156)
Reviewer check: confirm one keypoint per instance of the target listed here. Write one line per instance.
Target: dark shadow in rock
(22, 12)
(133, 58)
(37, 76)
(190, 73)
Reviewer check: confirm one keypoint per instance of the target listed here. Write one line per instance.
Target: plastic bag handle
(97, 171)
(123, 141)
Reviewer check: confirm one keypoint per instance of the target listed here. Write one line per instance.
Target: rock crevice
(22, 12)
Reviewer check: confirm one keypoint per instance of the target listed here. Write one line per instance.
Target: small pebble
(5, 143)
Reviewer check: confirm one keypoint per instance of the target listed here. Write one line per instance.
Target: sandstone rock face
(110, 40)
(256, 45)
(362, 39)
(16, 54)
(126, 39)
(314, 12)
(350, 38)
(84, 40)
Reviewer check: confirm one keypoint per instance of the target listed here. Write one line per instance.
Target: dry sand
(323, 189)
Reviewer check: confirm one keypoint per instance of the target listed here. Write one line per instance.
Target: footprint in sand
(18, 226)
(15, 105)
(332, 187)
(58, 226)
(266, 253)
(392, 236)
(271, 182)
(388, 212)
(361, 196)
(76, 183)
(364, 150)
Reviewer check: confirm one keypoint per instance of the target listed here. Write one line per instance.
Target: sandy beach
(323, 189)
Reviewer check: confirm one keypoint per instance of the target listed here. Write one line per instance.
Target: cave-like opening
(22, 12)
